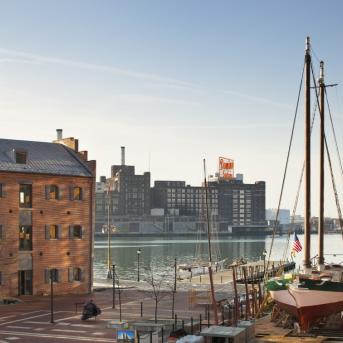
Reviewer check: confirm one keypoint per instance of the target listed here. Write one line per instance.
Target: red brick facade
(63, 253)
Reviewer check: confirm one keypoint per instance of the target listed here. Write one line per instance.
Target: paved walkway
(30, 321)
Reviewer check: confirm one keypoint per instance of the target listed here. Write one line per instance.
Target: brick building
(46, 217)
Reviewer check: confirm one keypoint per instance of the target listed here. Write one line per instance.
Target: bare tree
(160, 287)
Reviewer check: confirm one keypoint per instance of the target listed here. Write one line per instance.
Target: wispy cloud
(258, 99)
(29, 58)
(212, 127)
(25, 57)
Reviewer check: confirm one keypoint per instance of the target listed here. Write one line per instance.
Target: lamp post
(110, 227)
(114, 286)
(264, 260)
(52, 279)
(139, 251)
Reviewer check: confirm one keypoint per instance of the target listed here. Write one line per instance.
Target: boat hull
(308, 305)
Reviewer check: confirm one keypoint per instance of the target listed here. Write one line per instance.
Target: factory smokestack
(123, 156)
(59, 134)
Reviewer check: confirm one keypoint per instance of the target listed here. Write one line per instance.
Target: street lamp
(53, 277)
(110, 229)
(139, 251)
(264, 260)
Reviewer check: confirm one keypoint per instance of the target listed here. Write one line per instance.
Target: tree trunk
(156, 302)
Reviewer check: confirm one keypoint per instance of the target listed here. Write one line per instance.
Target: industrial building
(46, 217)
(127, 203)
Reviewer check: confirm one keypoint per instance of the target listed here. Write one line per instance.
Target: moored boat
(317, 292)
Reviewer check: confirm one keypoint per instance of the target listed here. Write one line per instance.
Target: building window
(52, 274)
(25, 238)
(1, 190)
(20, 157)
(76, 232)
(52, 192)
(76, 193)
(52, 231)
(75, 274)
(1, 233)
(25, 196)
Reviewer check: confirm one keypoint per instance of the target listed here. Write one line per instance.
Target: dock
(254, 273)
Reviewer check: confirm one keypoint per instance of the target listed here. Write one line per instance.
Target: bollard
(162, 332)
(208, 316)
(191, 325)
(200, 322)
(200, 279)
(241, 307)
(175, 321)
(141, 309)
(183, 324)
(221, 278)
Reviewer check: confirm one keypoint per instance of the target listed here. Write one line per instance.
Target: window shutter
(71, 193)
(47, 275)
(82, 232)
(59, 231)
(47, 232)
(70, 231)
(70, 274)
(59, 275)
(3, 190)
(47, 192)
(82, 275)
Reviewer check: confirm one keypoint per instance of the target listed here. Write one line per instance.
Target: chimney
(59, 134)
(123, 156)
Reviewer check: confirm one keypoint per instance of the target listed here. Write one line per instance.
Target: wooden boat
(317, 292)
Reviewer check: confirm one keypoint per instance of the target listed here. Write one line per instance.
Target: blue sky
(173, 81)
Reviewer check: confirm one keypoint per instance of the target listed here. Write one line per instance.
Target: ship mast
(214, 303)
(321, 169)
(307, 219)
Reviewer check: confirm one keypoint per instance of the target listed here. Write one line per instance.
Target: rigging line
(330, 165)
(334, 132)
(291, 228)
(334, 187)
(285, 171)
(314, 54)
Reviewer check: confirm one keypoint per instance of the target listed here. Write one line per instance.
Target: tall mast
(214, 303)
(307, 219)
(321, 169)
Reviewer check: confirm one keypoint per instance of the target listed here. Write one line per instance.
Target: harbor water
(158, 254)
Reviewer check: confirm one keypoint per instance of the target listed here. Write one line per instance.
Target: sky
(174, 82)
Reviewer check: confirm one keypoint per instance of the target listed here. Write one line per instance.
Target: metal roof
(42, 158)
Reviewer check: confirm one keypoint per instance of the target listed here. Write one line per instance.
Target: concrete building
(231, 203)
(46, 217)
(173, 207)
(283, 217)
(178, 199)
(241, 204)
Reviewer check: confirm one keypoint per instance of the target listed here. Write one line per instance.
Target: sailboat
(318, 291)
(200, 265)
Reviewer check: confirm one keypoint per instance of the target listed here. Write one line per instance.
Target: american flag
(296, 247)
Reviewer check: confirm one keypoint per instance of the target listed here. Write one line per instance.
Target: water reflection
(159, 253)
